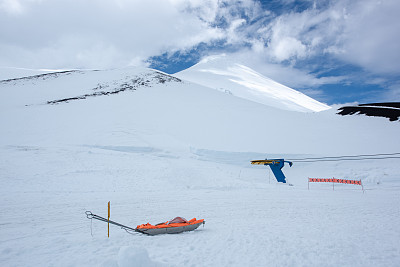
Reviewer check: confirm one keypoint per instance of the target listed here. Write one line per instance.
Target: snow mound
(220, 73)
(135, 257)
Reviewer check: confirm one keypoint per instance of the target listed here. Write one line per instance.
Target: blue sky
(334, 51)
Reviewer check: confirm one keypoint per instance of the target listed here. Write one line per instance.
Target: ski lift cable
(344, 157)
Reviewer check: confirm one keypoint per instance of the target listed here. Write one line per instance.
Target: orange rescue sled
(175, 226)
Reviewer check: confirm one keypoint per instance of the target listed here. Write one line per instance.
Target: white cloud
(301, 35)
(206, 10)
(231, 32)
(11, 6)
(372, 35)
(117, 33)
(392, 93)
(300, 79)
(365, 33)
(286, 48)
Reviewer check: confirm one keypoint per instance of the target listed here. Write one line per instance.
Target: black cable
(319, 160)
(354, 156)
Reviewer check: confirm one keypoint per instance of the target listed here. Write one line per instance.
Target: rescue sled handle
(90, 215)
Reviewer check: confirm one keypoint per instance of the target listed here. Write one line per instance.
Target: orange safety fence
(334, 180)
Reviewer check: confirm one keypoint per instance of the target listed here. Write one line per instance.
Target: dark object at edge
(387, 110)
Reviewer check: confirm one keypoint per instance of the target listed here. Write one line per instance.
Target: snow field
(179, 149)
(248, 220)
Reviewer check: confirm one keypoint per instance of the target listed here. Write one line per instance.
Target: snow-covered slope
(220, 73)
(13, 73)
(159, 147)
(91, 105)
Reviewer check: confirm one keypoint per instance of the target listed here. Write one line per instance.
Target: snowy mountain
(98, 102)
(220, 73)
(159, 146)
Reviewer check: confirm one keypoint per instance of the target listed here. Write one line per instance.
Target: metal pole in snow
(269, 179)
(362, 187)
(308, 178)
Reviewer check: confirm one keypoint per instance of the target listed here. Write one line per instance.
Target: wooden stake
(108, 220)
